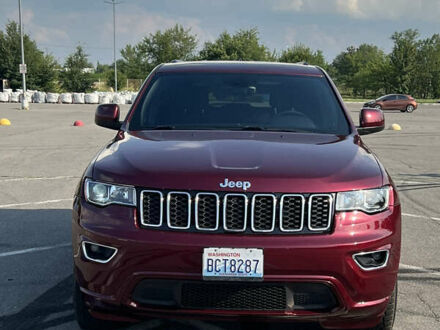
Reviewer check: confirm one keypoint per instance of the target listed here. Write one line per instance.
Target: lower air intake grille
(233, 296)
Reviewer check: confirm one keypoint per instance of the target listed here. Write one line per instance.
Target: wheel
(84, 318)
(409, 108)
(377, 106)
(390, 313)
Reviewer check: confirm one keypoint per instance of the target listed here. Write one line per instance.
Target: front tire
(388, 318)
(83, 317)
(409, 108)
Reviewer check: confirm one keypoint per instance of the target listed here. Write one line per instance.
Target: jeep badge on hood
(245, 185)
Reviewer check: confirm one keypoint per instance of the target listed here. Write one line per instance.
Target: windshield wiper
(267, 129)
(163, 127)
(251, 128)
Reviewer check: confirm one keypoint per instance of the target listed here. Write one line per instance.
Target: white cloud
(315, 37)
(132, 27)
(40, 33)
(366, 9)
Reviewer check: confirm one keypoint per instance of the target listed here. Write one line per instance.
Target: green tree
(362, 70)
(41, 68)
(425, 79)
(133, 63)
(302, 53)
(75, 76)
(242, 46)
(403, 59)
(176, 43)
(110, 79)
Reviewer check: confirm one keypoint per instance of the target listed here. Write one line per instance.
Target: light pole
(112, 2)
(24, 102)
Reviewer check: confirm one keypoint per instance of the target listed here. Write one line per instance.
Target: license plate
(230, 264)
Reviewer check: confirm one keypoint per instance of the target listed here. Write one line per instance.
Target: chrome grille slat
(151, 209)
(228, 212)
(179, 210)
(204, 205)
(235, 216)
(263, 213)
(320, 212)
(292, 218)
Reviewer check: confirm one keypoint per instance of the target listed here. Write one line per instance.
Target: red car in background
(237, 190)
(394, 102)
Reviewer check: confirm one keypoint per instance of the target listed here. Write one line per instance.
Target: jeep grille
(233, 212)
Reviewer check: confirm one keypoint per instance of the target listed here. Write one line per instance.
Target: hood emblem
(245, 185)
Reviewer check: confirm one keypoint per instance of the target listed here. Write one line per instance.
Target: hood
(269, 161)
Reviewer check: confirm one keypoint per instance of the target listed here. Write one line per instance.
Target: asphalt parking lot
(42, 156)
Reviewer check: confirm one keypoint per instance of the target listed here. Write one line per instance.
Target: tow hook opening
(98, 252)
(372, 260)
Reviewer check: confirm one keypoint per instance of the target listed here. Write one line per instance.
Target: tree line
(412, 66)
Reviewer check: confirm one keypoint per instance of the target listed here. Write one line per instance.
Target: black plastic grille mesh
(292, 212)
(151, 207)
(178, 209)
(234, 296)
(207, 211)
(264, 214)
(320, 211)
(235, 212)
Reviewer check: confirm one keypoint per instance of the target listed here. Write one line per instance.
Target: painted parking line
(419, 269)
(51, 201)
(39, 178)
(36, 249)
(420, 216)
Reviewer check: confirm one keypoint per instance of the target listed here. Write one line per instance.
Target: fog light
(372, 260)
(98, 252)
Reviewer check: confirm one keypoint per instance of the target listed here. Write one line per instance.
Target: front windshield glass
(223, 101)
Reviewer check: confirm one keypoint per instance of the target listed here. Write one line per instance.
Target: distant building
(88, 70)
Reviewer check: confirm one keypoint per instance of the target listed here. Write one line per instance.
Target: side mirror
(107, 115)
(370, 121)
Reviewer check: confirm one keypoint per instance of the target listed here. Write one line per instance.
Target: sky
(58, 26)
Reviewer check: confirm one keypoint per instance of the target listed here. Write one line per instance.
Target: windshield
(240, 102)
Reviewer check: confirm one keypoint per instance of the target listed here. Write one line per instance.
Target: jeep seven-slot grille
(234, 212)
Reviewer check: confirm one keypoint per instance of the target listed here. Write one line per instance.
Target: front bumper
(144, 254)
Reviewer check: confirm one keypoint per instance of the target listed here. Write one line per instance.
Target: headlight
(369, 201)
(104, 194)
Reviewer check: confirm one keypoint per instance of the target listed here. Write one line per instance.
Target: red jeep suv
(237, 190)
